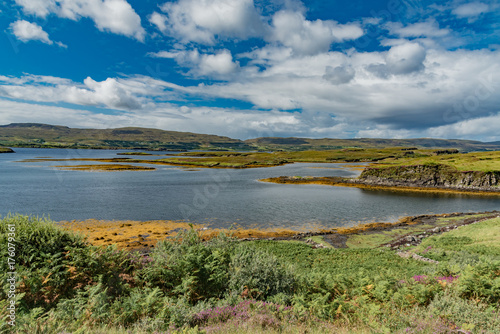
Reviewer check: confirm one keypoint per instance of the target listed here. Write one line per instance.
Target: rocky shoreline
(408, 231)
(337, 237)
(430, 176)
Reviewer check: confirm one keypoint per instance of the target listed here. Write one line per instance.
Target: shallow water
(218, 197)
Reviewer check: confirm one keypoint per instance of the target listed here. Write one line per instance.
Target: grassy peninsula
(475, 172)
(445, 283)
(6, 150)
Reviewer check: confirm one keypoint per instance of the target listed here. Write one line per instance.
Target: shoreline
(342, 182)
(143, 235)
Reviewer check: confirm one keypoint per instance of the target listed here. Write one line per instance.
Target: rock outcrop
(432, 176)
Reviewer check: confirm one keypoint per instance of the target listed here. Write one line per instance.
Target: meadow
(187, 285)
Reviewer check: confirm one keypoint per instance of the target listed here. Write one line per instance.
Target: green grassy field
(374, 240)
(222, 286)
(475, 161)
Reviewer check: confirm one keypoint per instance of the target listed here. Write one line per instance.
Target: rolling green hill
(45, 135)
(302, 144)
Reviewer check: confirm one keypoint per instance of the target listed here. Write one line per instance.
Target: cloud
(471, 10)
(111, 93)
(332, 94)
(305, 37)
(429, 28)
(26, 31)
(40, 8)
(482, 128)
(405, 58)
(203, 21)
(116, 16)
(218, 65)
(402, 58)
(339, 75)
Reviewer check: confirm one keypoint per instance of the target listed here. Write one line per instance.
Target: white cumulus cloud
(202, 21)
(471, 9)
(218, 65)
(305, 37)
(26, 31)
(116, 16)
(429, 28)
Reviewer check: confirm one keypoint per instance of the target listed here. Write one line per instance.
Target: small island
(475, 173)
(6, 150)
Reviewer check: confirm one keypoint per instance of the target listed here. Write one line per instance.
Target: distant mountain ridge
(46, 135)
(293, 143)
(57, 136)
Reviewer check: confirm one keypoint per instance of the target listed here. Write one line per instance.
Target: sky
(255, 68)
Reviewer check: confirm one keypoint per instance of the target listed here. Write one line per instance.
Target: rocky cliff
(432, 176)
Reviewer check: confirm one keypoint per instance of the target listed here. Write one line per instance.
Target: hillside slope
(44, 135)
(302, 144)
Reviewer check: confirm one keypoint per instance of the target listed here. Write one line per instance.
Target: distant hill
(46, 135)
(301, 144)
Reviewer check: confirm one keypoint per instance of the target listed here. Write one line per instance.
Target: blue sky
(253, 68)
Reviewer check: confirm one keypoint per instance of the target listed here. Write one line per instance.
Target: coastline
(143, 235)
(343, 182)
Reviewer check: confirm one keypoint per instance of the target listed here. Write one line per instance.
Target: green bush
(189, 267)
(259, 275)
(53, 264)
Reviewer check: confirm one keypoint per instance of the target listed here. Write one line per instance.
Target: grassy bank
(186, 285)
(6, 150)
(474, 161)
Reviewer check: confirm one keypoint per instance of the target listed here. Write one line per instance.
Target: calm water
(217, 197)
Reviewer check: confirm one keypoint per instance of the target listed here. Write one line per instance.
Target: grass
(374, 239)
(6, 150)
(483, 234)
(321, 240)
(474, 161)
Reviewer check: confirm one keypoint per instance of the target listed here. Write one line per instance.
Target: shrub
(257, 274)
(189, 267)
(53, 264)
